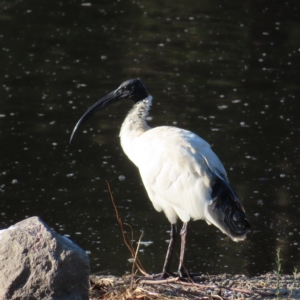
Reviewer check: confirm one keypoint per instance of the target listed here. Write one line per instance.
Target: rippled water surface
(228, 72)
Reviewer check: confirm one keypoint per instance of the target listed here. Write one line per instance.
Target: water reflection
(228, 72)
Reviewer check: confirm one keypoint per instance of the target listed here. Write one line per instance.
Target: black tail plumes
(227, 210)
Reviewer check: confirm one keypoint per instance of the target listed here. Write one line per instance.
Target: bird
(182, 175)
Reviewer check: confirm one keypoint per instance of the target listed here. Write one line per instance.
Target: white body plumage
(176, 165)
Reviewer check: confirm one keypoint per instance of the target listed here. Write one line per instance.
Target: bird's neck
(134, 126)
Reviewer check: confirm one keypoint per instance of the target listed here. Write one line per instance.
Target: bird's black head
(132, 89)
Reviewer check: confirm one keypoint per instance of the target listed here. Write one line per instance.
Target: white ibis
(182, 175)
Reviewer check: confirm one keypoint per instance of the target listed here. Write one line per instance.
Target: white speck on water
(146, 243)
(243, 124)
(260, 202)
(103, 57)
(222, 107)
(122, 177)
(14, 181)
(236, 101)
(79, 85)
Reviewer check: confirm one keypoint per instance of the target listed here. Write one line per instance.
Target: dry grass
(223, 286)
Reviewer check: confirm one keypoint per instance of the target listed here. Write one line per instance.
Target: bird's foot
(166, 273)
(185, 275)
(159, 277)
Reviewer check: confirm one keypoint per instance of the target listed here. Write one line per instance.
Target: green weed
(277, 273)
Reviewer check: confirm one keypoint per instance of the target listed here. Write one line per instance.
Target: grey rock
(37, 263)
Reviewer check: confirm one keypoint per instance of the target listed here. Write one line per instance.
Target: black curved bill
(132, 89)
(106, 100)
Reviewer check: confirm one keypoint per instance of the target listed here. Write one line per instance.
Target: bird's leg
(166, 268)
(183, 233)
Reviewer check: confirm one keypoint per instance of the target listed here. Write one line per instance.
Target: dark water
(228, 72)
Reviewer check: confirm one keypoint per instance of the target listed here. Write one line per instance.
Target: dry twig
(125, 239)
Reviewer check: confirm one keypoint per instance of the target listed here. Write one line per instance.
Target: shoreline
(223, 286)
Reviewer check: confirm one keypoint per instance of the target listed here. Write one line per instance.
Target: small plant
(277, 273)
(294, 282)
